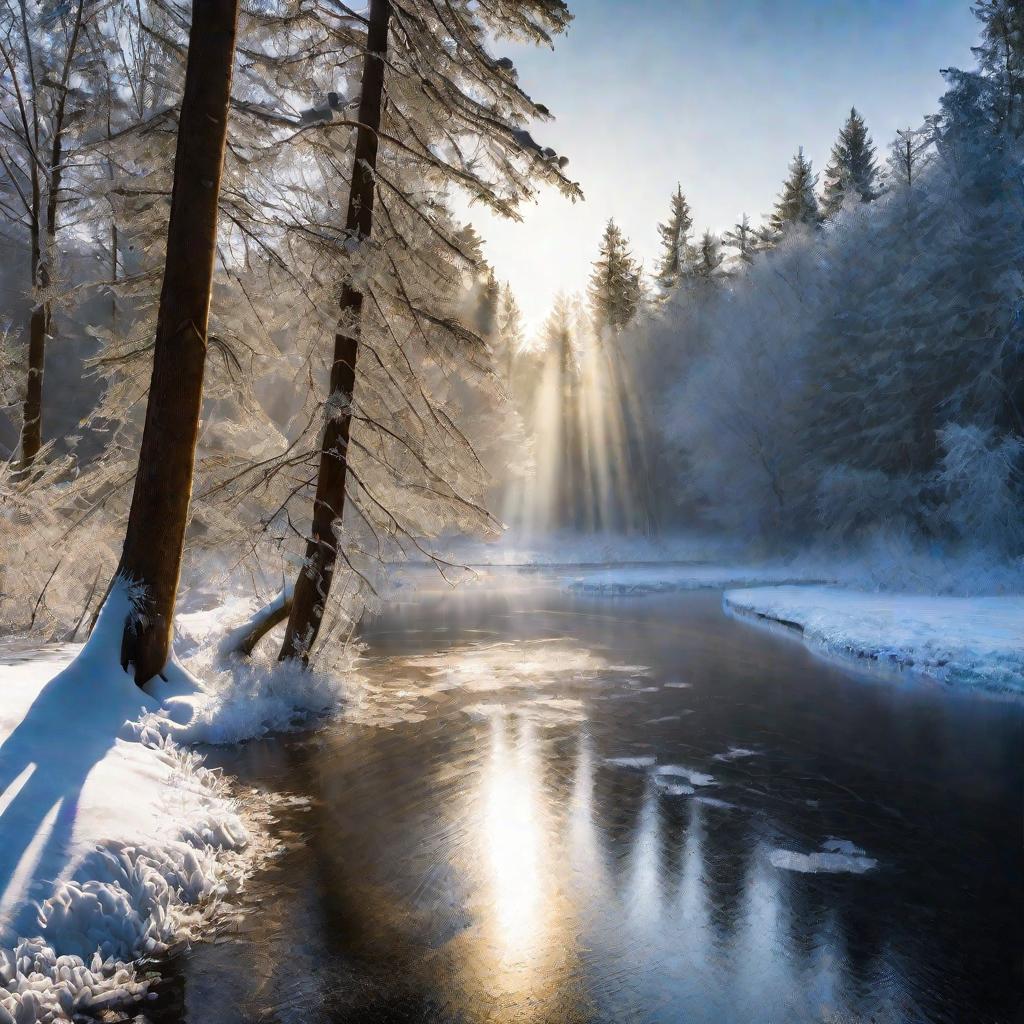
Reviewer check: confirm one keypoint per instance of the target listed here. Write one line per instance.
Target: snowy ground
(115, 841)
(965, 641)
(632, 580)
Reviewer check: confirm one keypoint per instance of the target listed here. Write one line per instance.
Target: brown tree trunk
(313, 584)
(163, 486)
(32, 418)
(32, 425)
(41, 318)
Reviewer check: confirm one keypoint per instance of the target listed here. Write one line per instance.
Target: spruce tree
(797, 203)
(437, 75)
(852, 170)
(509, 336)
(909, 154)
(1001, 59)
(675, 240)
(743, 239)
(615, 288)
(708, 263)
(48, 85)
(155, 534)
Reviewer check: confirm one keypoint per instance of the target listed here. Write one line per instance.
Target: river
(544, 807)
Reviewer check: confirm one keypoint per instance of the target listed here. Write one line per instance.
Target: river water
(541, 807)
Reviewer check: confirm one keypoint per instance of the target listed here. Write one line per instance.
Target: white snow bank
(114, 843)
(630, 580)
(968, 641)
(238, 698)
(835, 857)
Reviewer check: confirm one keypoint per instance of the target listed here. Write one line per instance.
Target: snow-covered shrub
(851, 502)
(981, 477)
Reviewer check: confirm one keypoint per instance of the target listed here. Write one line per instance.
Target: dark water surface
(469, 854)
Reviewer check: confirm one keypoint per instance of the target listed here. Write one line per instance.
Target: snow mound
(837, 856)
(114, 842)
(966, 641)
(238, 698)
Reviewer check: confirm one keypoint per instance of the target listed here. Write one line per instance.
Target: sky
(714, 95)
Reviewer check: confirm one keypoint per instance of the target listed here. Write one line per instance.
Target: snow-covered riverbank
(634, 580)
(964, 641)
(115, 841)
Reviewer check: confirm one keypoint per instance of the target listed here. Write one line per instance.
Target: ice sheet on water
(692, 776)
(635, 763)
(670, 787)
(637, 580)
(836, 856)
(843, 846)
(734, 754)
(710, 801)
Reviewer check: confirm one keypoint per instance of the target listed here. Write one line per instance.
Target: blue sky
(716, 95)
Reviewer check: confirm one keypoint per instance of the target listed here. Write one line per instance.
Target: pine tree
(615, 288)
(49, 61)
(509, 336)
(675, 240)
(797, 203)
(852, 170)
(458, 83)
(908, 156)
(487, 308)
(708, 263)
(155, 535)
(1001, 59)
(743, 239)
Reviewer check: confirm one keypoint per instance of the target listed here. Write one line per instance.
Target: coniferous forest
(382, 642)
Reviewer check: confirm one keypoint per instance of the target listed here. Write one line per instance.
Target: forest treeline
(854, 363)
(244, 207)
(245, 336)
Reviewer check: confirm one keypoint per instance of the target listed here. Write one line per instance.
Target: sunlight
(589, 436)
(513, 836)
(11, 792)
(21, 878)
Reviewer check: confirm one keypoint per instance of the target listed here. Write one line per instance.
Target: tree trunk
(32, 424)
(42, 311)
(313, 584)
(163, 486)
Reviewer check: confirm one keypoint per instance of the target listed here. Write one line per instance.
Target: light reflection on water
(474, 854)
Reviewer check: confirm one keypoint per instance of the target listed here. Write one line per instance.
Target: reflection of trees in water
(494, 862)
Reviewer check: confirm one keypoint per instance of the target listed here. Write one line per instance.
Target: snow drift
(965, 641)
(115, 842)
